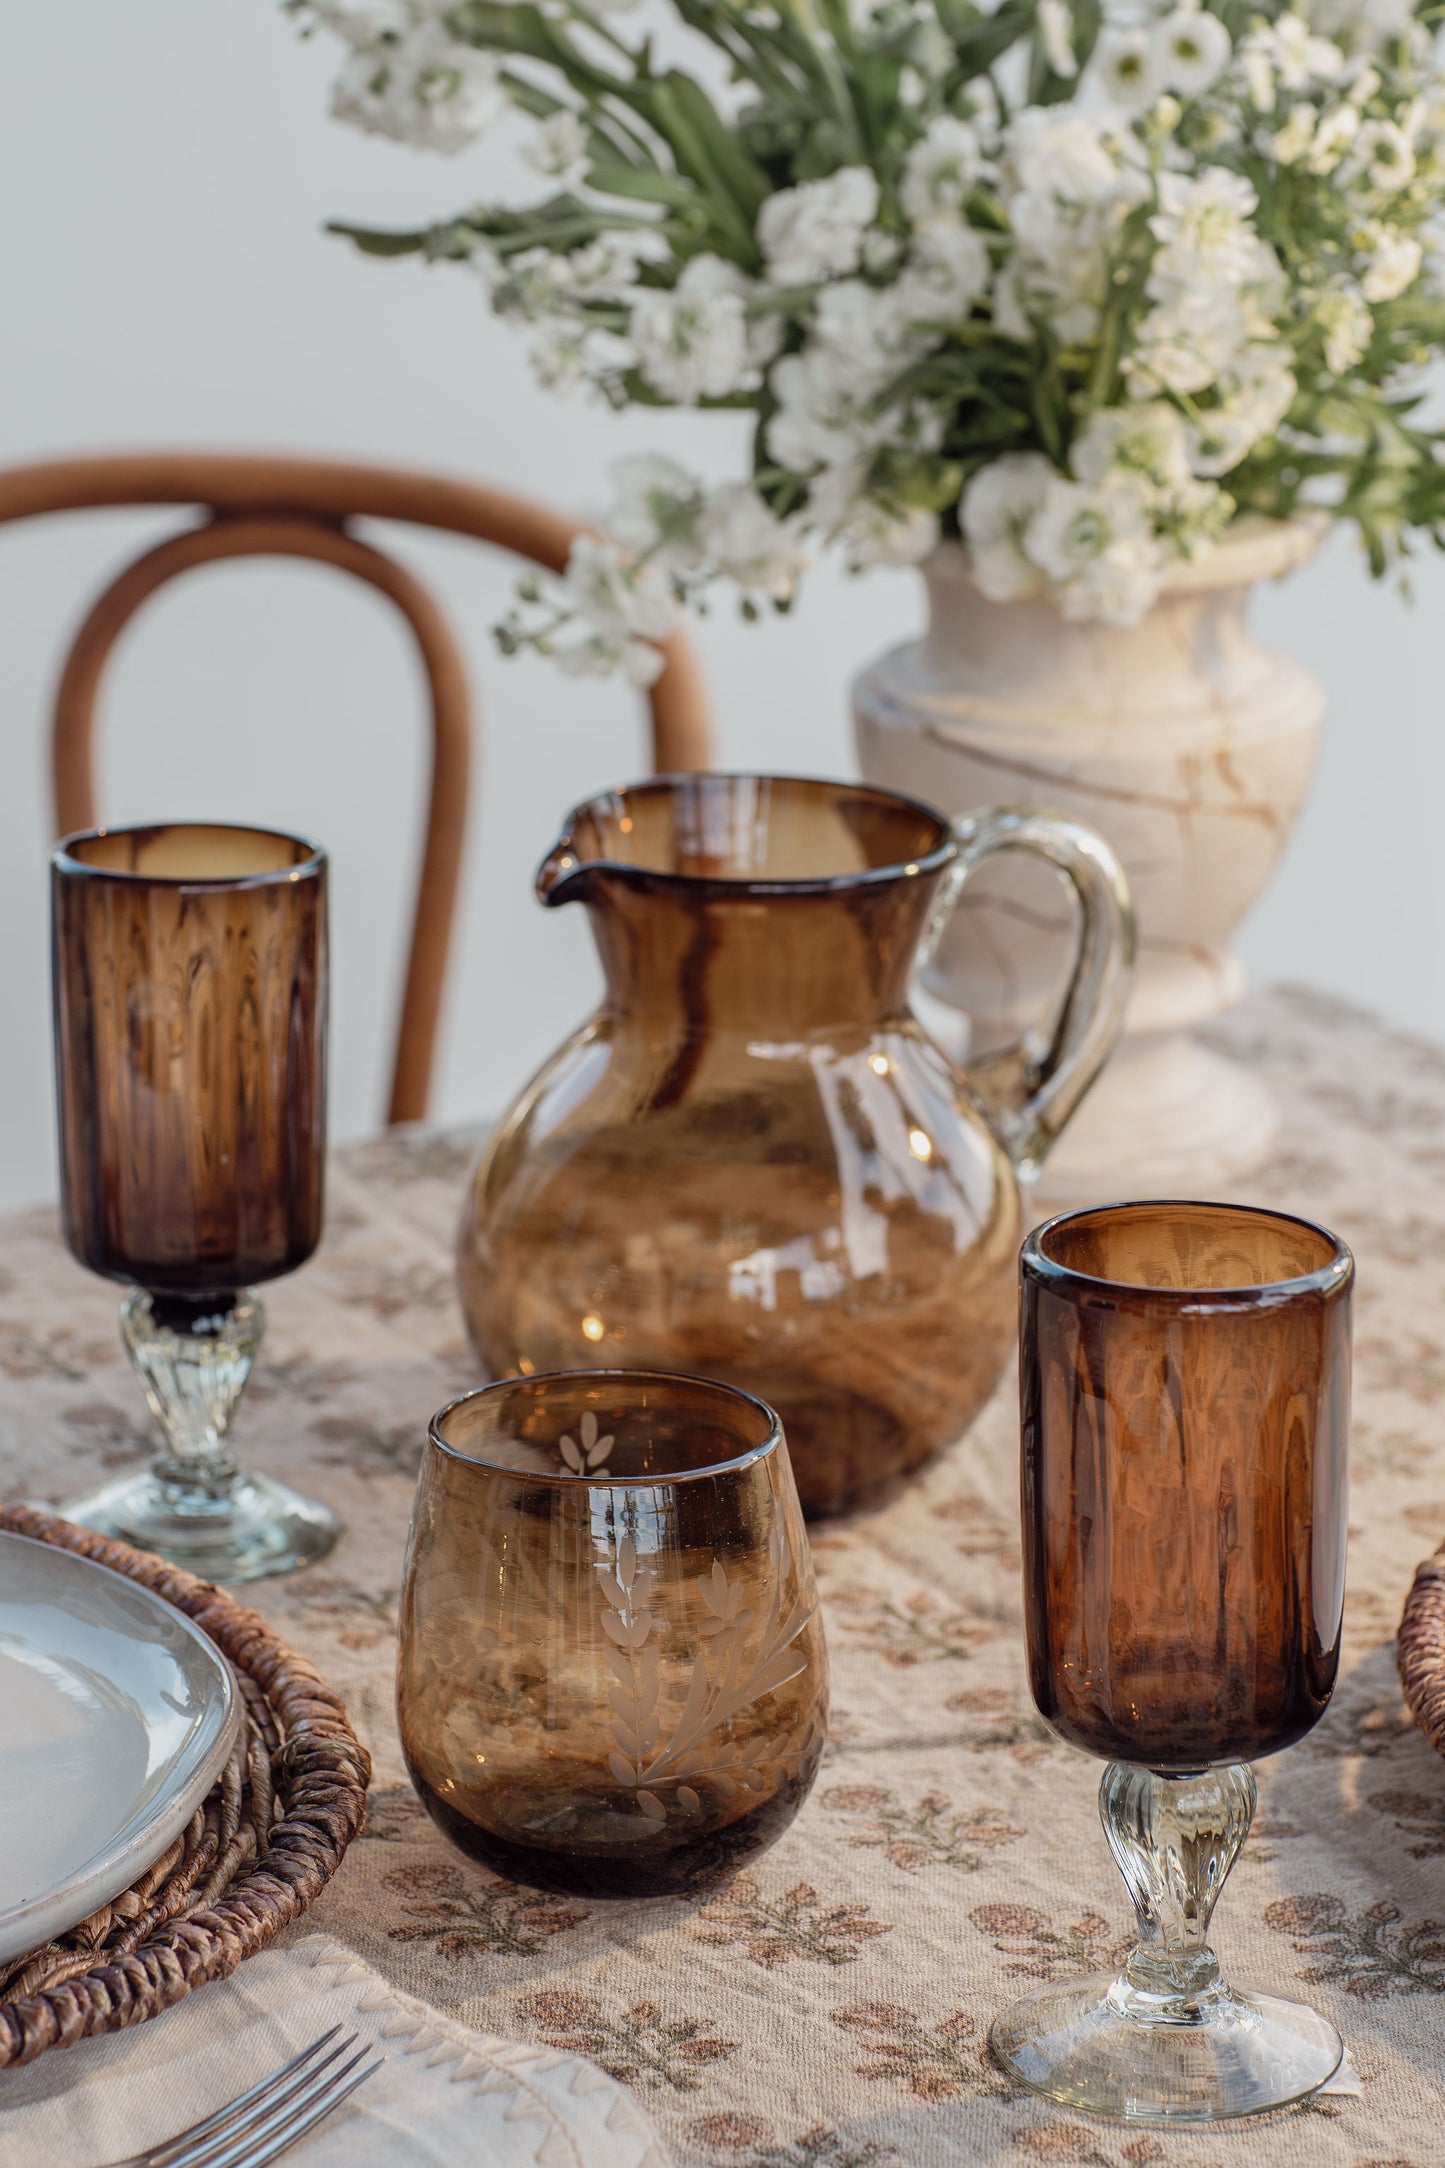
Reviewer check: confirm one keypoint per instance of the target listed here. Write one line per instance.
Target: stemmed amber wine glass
(190, 996)
(611, 1674)
(1185, 1383)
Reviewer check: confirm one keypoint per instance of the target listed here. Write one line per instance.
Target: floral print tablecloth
(829, 2008)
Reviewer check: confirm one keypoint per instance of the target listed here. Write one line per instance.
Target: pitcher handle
(1031, 1088)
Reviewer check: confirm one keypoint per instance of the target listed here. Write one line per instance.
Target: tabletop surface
(829, 2008)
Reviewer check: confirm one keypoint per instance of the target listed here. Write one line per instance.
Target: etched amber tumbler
(1185, 1381)
(611, 1676)
(190, 999)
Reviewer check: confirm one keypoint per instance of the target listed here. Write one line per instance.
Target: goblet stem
(195, 1505)
(1168, 2039)
(193, 1356)
(1174, 1839)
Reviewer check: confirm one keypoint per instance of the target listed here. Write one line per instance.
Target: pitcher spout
(563, 876)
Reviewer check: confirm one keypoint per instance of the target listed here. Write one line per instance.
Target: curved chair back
(247, 506)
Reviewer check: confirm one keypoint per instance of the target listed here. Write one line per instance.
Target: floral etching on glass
(726, 1679)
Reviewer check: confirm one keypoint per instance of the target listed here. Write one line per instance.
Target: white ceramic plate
(116, 1717)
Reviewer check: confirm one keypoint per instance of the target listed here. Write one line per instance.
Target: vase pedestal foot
(1168, 1118)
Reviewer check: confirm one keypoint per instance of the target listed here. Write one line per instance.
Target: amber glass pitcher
(752, 1164)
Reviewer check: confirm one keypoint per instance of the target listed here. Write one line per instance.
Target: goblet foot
(256, 1527)
(1102, 2046)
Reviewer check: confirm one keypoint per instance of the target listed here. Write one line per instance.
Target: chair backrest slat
(274, 506)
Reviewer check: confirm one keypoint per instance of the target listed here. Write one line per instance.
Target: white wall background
(166, 172)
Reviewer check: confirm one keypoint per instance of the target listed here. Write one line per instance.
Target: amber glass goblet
(611, 1676)
(1185, 1381)
(190, 995)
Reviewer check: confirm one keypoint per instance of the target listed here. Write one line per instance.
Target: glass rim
(935, 859)
(601, 1479)
(64, 860)
(1336, 1272)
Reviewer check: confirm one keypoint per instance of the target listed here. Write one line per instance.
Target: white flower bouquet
(1076, 285)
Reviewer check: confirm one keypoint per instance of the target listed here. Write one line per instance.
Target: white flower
(882, 253)
(871, 529)
(1337, 130)
(997, 507)
(655, 511)
(939, 173)
(1188, 51)
(1299, 57)
(1189, 341)
(692, 342)
(947, 272)
(1382, 152)
(1258, 75)
(1098, 547)
(559, 146)
(827, 394)
(622, 612)
(1252, 402)
(1344, 318)
(747, 542)
(1205, 224)
(825, 398)
(1125, 68)
(1148, 439)
(364, 22)
(1056, 35)
(1058, 154)
(1067, 194)
(1393, 264)
(863, 334)
(815, 231)
(561, 355)
(531, 285)
(606, 269)
(420, 87)
(1295, 138)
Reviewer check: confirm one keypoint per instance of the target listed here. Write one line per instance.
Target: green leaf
(978, 39)
(704, 144)
(372, 242)
(643, 186)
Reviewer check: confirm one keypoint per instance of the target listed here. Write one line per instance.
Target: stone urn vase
(1189, 746)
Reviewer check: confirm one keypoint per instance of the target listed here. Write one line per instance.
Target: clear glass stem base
(194, 1506)
(1167, 2040)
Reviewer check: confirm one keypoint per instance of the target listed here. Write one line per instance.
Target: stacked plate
(116, 1717)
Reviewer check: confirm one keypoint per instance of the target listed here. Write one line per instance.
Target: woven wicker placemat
(265, 1841)
(1420, 1649)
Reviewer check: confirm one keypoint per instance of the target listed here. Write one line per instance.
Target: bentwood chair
(245, 506)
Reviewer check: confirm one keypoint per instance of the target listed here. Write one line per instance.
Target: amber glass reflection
(190, 997)
(752, 1163)
(190, 1040)
(1185, 1380)
(1185, 1377)
(611, 1674)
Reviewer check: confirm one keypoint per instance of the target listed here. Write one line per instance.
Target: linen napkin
(447, 2097)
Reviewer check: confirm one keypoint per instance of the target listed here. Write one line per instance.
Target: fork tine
(280, 2118)
(165, 2154)
(319, 2109)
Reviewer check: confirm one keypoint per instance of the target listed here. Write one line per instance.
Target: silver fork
(276, 2111)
